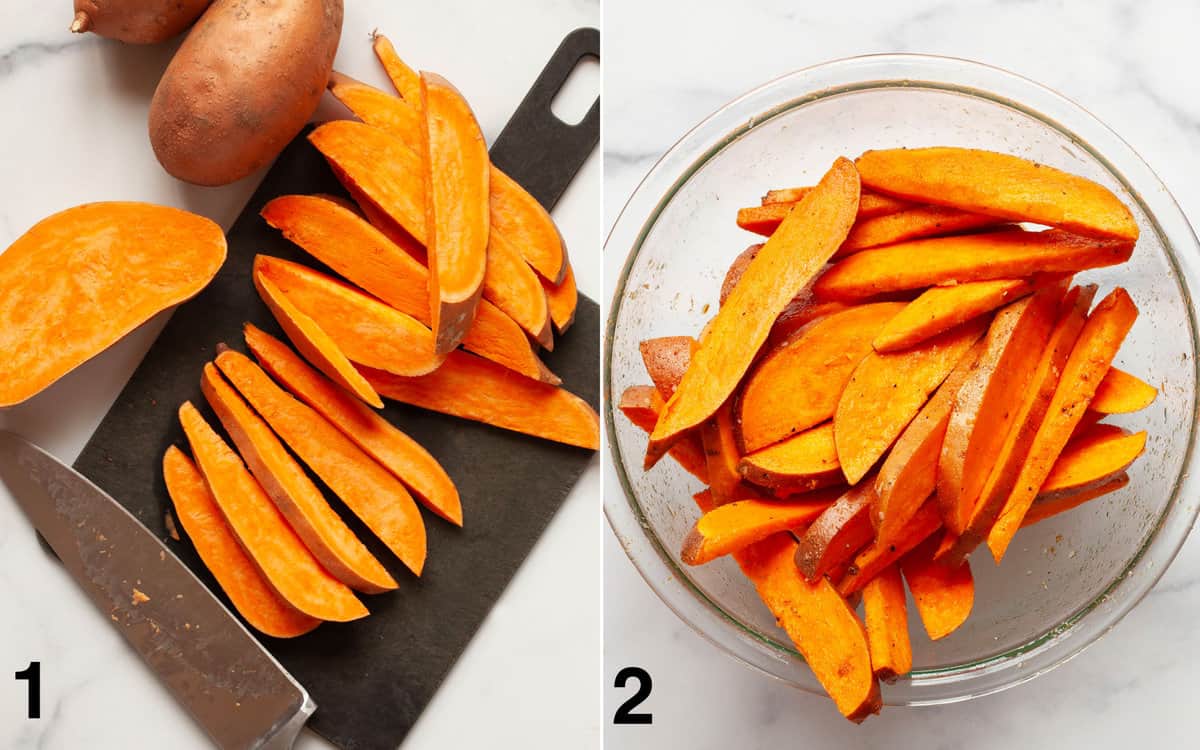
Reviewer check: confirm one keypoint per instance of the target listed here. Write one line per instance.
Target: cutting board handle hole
(579, 93)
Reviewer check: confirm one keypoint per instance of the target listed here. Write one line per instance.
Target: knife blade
(214, 667)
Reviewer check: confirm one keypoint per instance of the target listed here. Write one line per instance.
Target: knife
(229, 684)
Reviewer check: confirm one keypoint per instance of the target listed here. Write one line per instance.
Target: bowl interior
(1056, 572)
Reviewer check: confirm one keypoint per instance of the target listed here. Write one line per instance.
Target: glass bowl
(1065, 581)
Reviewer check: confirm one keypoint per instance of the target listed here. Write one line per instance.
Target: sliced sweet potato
(801, 311)
(1092, 459)
(869, 206)
(518, 217)
(798, 384)
(457, 214)
(473, 388)
(736, 269)
(911, 224)
(885, 612)
(766, 219)
(941, 308)
(730, 527)
(359, 326)
(563, 299)
(722, 457)
(641, 405)
(377, 108)
(838, 533)
(1122, 393)
(368, 490)
(235, 571)
(1090, 419)
(1001, 185)
(886, 391)
(398, 453)
(1044, 508)
(404, 78)
(263, 532)
(785, 265)
(802, 462)
(302, 504)
(970, 257)
(510, 284)
(666, 359)
(944, 595)
(1102, 335)
(877, 556)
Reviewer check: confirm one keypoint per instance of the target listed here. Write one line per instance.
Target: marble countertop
(1132, 65)
(74, 131)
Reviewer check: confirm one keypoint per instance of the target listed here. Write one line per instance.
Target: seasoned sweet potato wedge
(736, 269)
(869, 206)
(722, 457)
(1092, 459)
(911, 224)
(1122, 393)
(838, 533)
(666, 359)
(944, 595)
(1044, 508)
(563, 300)
(641, 405)
(885, 612)
(730, 527)
(943, 307)
(802, 462)
(766, 219)
(876, 557)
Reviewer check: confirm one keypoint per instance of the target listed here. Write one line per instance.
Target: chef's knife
(233, 688)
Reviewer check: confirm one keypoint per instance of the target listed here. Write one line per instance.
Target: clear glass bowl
(1066, 581)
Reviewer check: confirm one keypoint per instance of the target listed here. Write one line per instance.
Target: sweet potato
(797, 385)
(941, 308)
(563, 299)
(887, 391)
(457, 214)
(363, 328)
(1122, 393)
(368, 490)
(877, 556)
(766, 219)
(144, 22)
(666, 359)
(280, 555)
(377, 108)
(1000, 185)
(473, 388)
(298, 499)
(971, 257)
(785, 265)
(518, 217)
(885, 612)
(733, 526)
(78, 281)
(1102, 335)
(236, 573)
(514, 287)
(721, 456)
(736, 269)
(943, 594)
(1044, 508)
(1089, 419)
(804, 461)
(838, 533)
(801, 311)
(405, 79)
(364, 255)
(641, 405)
(217, 117)
(1092, 459)
(911, 224)
(395, 451)
(869, 206)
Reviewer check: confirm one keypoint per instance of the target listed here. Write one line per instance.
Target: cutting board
(372, 678)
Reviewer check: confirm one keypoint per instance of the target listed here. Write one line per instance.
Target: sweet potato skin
(666, 359)
(145, 22)
(837, 534)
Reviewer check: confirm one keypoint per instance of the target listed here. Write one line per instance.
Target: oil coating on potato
(136, 21)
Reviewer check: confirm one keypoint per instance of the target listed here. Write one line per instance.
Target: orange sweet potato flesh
(941, 308)
(722, 459)
(802, 462)
(280, 555)
(944, 595)
(1098, 343)
(911, 224)
(377, 108)
(1092, 459)
(367, 257)
(885, 612)
(766, 219)
(869, 206)
(837, 534)
(1122, 393)
(877, 556)
(971, 257)
(563, 299)
(799, 312)
(1000, 185)
(419, 471)
(457, 214)
(641, 405)
(798, 384)
(730, 527)
(473, 388)
(302, 504)
(886, 391)
(515, 288)
(1044, 508)
(236, 573)
(786, 264)
(80, 280)
(666, 359)
(368, 490)
(405, 79)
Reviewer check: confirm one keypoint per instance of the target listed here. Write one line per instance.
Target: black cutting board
(372, 678)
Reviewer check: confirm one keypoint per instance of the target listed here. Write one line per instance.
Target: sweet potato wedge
(1000, 185)
(457, 214)
(1044, 508)
(279, 554)
(801, 311)
(1092, 459)
(736, 269)
(944, 595)
(563, 299)
(1102, 335)
(518, 217)
(395, 451)
(405, 79)
(876, 557)
(641, 405)
(941, 308)
(886, 391)
(885, 612)
(377, 108)
(802, 462)
(971, 257)
(730, 527)
(236, 573)
(869, 206)
(368, 490)
(473, 388)
(911, 224)
(666, 359)
(798, 384)
(722, 458)
(785, 265)
(298, 499)
(510, 284)
(765, 219)
(838, 533)
(1122, 393)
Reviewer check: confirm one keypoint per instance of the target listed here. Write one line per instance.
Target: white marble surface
(73, 131)
(1132, 64)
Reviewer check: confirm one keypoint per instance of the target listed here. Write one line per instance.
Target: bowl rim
(1044, 651)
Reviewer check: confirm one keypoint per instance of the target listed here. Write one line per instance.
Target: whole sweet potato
(137, 21)
(242, 85)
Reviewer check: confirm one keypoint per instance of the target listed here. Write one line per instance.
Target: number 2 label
(625, 714)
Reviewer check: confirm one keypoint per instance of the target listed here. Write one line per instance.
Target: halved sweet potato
(641, 405)
(235, 571)
(398, 453)
(1122, 393)
(766, 219)
(473, 388)
(368, 490)
(1001, 185)
(838, 533)
(941, 308)
(877, 556)
(563, 300)
(802, 462)
(911, 224)
(279, 554)
(886, 391)
(666, 359)
(404, 78)
(730, 527)
(1092, 459)
(885, 612)
(798, 384)
(944, 595)
(82, 279)
(785, 265)
(971, 257)
(1044, 508)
